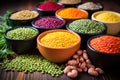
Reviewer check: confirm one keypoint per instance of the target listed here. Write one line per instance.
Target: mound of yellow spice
(108, 17)
(59, 39)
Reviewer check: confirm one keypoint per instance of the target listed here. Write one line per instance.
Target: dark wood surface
(14, 5)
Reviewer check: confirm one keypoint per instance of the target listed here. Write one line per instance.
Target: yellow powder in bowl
(59, 39)
(108, 17)
(24, 15)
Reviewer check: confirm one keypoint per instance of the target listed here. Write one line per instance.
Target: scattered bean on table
(86, 26)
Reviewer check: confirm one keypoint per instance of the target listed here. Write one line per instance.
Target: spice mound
(21, 33)
(108, 17)
(31, 63)
(59, 39)
(24, 15)
(69, 1)
(49, 22)
(86, 26)
(72, 13)
(106, 44)
(50, 6)
(90, 6)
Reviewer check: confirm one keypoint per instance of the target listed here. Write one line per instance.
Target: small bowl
(45, 29)
(21, 46)
(86, 36)
(108, 62)
(57, 55)
(17, 22)
(47, 12)
(92, 11)
(112, 27)
(71, 19)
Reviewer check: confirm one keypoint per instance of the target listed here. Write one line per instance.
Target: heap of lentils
(86, 26)
(69, 1)
(90, 6)
(24, 14)
(49, 22)
(21, 33)
(31, 63)
(50, 6)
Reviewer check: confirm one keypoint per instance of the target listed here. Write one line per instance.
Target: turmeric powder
(59, 39)
(72, 13)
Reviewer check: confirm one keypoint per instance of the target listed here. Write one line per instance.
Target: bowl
(91, 7)
(15, 22)
(108, 62)
(55, 54)
(63, 13)
(53, 21)
(43, 12)
(112, 27)
(84, 35)
(21, 46)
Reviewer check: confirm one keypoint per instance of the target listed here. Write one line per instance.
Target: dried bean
(92, 72)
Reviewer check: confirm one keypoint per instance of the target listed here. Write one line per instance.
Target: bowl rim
(56, 13)
(98, 3)
(99, 12)
(56, 30)
(98, 52)
(104, 31)
(9, 16)
(48, 10)
(33, 22)
(5, 36)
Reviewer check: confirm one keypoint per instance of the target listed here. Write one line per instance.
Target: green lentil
(31, 63)
(86, 26)
(21, 33)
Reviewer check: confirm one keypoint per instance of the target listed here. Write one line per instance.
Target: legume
(31, 63)
(72, 13)
(21, 33)
(49, 22)
(106, 44)
(86, 26)
(90, 6)
(50, 6)
(108, 17)
(59, 39)
(24, 14)
(70, 1)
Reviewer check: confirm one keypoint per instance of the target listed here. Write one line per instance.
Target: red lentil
(107, 44)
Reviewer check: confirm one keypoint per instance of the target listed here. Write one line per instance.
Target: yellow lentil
(24, 14)
(108, 17)
(59, 39)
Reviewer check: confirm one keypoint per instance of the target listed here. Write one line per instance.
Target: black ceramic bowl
(108, 62)
(90, 12)
(86, 36)
(16, 22)
(46, 12)
(21, 46)
(45, 29)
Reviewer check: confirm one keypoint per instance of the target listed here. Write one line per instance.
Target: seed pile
(70, 1)
(81, 63)
(24, 14)
(49, 22)
(90, 6)
(106, 44)
(59, 39)
(86, 26)
(31, 63)
(21, 33)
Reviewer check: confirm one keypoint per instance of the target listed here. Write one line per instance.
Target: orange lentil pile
(106, 44)
(59, 39)
(72, 13)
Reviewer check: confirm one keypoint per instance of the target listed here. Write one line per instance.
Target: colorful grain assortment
(81, 63)
(106, 44)
(59, 39)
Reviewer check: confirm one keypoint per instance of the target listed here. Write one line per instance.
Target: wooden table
(14, 5)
